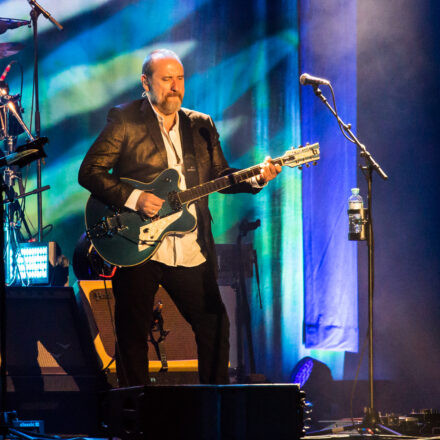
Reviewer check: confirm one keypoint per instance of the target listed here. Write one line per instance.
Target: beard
(169, 105)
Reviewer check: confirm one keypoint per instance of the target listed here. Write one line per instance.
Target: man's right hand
(149, 204)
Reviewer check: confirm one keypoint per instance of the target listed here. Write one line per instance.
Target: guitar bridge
(107, 227)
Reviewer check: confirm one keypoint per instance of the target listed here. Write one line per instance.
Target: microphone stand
(371, 419)
(243, 314)
(35, 12)
(243, 318)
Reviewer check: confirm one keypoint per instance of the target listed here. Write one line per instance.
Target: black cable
(50, 227)
(21, 80)
(23, 202)
(337, 116)
(120, 362)
(32, 103)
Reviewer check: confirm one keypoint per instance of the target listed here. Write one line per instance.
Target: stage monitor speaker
(53, 370)
(215, 412)
(47, 333)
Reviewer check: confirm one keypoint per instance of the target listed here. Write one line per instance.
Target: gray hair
(155, 54)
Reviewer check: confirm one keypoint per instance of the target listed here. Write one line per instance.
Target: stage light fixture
(315, 379)
(302, 370)
(32, 263)
(28, 262)
(311, 372)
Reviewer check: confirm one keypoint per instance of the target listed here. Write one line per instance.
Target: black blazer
(131, 145)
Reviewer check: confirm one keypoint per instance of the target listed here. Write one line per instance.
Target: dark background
(398, 73)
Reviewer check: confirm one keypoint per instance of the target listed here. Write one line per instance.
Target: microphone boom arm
(347, 127)
(46, 14)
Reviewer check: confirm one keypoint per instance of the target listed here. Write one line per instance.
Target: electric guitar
(127, 238)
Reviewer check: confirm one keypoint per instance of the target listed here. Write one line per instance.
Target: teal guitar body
(127, 238)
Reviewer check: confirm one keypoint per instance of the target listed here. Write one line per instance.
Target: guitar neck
(197, 192)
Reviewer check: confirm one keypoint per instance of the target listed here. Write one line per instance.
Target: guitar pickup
(174, 201)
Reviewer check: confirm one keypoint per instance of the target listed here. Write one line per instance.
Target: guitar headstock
(296, 157)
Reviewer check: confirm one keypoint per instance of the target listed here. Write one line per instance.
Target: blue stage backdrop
(242, 67)
(328, 49)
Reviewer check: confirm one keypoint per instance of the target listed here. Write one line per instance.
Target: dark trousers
(195, 292)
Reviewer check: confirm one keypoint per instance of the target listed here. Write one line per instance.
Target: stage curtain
(328, 49)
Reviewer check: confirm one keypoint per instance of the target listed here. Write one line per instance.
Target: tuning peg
(307, 165)
(307, 143)
(315, 163)
(300, 167)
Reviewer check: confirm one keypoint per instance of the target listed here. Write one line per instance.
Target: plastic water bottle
(355, 207)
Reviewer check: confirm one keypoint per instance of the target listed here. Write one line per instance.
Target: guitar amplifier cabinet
(98, 301)
(96, 297)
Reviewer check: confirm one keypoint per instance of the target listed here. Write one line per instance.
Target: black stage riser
(215, 412)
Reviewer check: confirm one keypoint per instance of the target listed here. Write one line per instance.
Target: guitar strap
(189, 157)
(190, 167)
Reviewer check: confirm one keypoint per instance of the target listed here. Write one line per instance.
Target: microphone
(11, 23)
(305, 79)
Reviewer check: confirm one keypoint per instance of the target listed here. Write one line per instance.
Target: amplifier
(98, 302)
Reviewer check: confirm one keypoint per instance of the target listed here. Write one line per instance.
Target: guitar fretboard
(197, 192)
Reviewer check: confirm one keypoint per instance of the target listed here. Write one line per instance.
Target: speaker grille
(179, 344)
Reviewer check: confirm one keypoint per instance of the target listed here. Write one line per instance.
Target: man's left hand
(269, 171)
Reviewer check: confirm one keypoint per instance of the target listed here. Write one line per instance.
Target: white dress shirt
(175, 249)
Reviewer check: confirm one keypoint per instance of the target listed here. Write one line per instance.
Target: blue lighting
(302, 371)
(28, 264)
